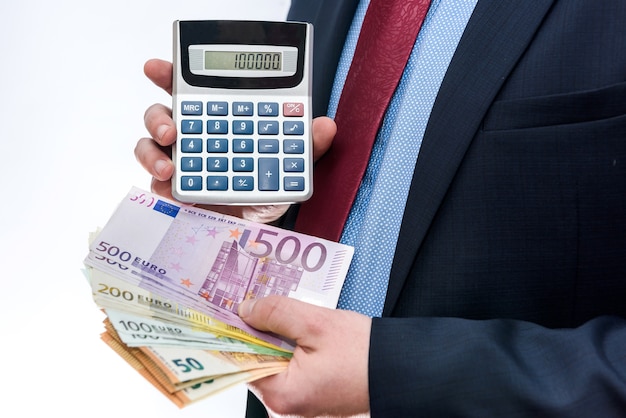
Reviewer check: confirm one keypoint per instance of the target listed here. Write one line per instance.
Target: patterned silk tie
(385, 42)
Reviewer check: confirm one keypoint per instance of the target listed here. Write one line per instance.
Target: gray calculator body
(242, 107)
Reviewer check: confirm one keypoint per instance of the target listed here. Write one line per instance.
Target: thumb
(323, 129)
(278, 314)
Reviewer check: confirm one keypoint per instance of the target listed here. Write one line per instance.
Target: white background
(72, 97)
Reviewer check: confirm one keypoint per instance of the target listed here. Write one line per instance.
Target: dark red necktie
(387, 37)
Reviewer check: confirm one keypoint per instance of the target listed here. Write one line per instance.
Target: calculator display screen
(242, 54)
(243, 60)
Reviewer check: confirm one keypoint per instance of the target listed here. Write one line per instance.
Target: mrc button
(191, 108)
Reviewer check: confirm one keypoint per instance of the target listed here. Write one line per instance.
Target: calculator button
(243, 145)
(293, 165)
(243, 183)
(217, 183)
(191, 183)
(191, 145)
(191, 164)
(191, 126)
(268, 174)
(217, 108)
(293, 127)
(217, 164)
(293, 146)
(217, 145)
(243, 109)
(268, 146)
(268, 127)
(215, 126)
(243, 127)
(191, 108)
(267, 109)
(243, 164)
(291, 109)
(293, 184)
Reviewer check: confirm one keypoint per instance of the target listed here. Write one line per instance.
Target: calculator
(242, 106)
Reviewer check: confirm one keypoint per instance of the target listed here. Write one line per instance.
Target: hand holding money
(175, 276)
(330, 362)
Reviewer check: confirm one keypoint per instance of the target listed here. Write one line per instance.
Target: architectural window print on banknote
(211, 262)
(235, 273)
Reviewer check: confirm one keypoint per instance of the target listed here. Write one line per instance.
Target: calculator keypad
(233, 148)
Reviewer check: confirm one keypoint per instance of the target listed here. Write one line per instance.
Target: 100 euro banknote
(212, 262)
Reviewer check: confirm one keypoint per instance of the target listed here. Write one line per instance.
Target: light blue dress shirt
(374, 221)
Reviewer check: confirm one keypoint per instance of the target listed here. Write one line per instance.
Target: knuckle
(272, 310)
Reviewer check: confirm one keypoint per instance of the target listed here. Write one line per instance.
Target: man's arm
(454, 367)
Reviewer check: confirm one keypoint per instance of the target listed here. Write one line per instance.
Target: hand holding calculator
(242, 107)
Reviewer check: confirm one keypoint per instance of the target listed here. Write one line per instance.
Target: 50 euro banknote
(212, 262)
(186, 376)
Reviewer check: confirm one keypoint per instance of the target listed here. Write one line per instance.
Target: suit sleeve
(454, 367)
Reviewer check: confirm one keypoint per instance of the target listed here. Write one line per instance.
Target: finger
(159, 123)
(323, 130)
(288, 317)
(162, 188)
(160, 73)
(154, 159)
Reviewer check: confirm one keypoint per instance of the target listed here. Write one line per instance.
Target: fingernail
(159, 166)
(161, 131)
(245, 307)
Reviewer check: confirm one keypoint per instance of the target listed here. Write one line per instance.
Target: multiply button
(293, 165)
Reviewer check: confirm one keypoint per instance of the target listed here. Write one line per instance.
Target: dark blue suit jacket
(507, 295)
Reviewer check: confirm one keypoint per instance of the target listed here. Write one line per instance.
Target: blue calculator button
(293, 146)
(217, 108)
(191, 183)
(191, 108)
(217, 145)
(268, 174)
(243, 183)
(217, 183)
(293, 184)
(268, 127)
(191, 145)
(267, 109)
(293, 165)
(217, 126)
(217, 164)
(191, 126)
(293, 128)
(243, 164)
(268, 146)
(243, 127)
(243, 109)
(243, 145)
(191, 164)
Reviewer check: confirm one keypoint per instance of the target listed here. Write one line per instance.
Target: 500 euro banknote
(212, 262)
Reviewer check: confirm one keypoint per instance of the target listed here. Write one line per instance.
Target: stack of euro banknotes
(170, 277)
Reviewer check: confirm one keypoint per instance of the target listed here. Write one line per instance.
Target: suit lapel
(496, 36)
(331, 21)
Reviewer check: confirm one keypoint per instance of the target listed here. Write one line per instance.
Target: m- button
(292, 109)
